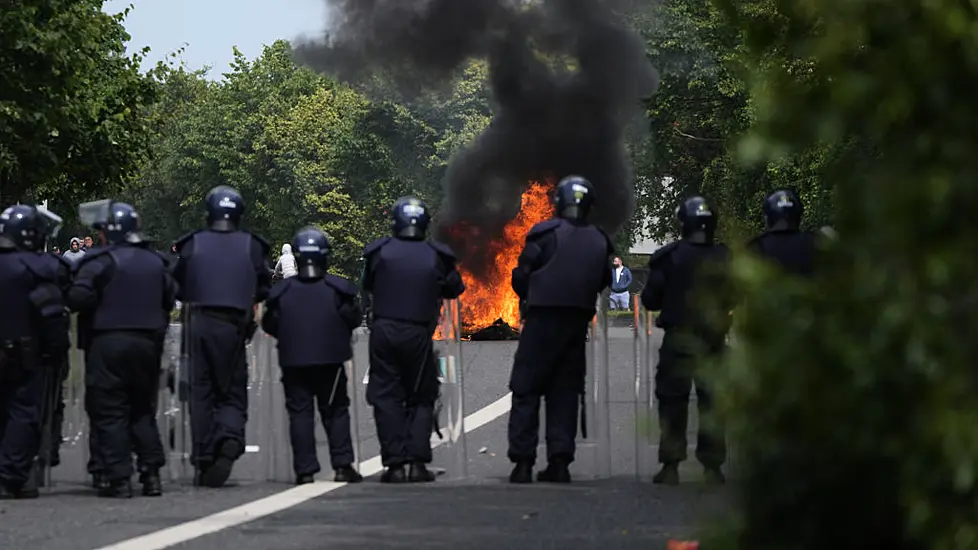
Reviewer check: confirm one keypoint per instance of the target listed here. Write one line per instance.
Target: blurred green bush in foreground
(854, 398)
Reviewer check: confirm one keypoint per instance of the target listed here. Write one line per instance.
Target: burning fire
(488, 296)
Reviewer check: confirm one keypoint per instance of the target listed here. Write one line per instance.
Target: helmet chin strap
(310, 271)
(412, 232)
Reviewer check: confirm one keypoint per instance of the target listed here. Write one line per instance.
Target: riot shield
(174, 401)
(451, 419)
(268, 424)
(594, 439)
(73, 469)
(646, 414)
(350, 367)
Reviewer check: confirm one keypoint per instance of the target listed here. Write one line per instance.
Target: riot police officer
(127, 293)
(313, 316)
(407, 278)
(680, 276)
(784, 243)
(560, 272)
(222, 272)
(33, 331)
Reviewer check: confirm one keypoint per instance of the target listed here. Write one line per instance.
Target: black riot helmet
(783, 210)
(573, 198)
(698, 222)
(117, 221)
(410, 218)
(21, 229)
(311, 248)
(225, 208)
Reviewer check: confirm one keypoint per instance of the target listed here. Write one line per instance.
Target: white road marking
(251, 511)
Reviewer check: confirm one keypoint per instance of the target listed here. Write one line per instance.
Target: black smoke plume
(550, 119)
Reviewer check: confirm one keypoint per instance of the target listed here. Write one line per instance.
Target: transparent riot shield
(594, 440)
(172, 407)
(268, 417)
(646, 417)
(73, 468)
(350, 367)
(448, 345)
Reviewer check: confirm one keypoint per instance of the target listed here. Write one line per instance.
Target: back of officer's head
(123, 225)
(225, 208)
(783, 210)
(410, 219)
(573, 198)
(310, 246)
(20, 229)
(697, 220)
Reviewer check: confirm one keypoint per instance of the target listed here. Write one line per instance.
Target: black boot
(29, 489)
(394, 474)
(218, 473)
(557, 471)
(305, 479)
(11, 491)
(522, 473)
(668, 475)
(120, 488)
(419, 473)
(714, 475)
(152, 484)
(96, 480)
(346, 474)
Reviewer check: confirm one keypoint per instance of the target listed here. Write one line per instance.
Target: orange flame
(489, 296)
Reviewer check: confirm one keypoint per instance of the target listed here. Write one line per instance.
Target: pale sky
(211, 28)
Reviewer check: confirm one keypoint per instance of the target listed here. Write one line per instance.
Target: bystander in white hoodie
(286, 266)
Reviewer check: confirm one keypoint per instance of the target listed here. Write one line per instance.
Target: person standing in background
(286, 266)
(621, 279)
(74, 252)
(88, 245)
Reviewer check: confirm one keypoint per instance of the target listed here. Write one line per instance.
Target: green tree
(852, 396)
(72, 103)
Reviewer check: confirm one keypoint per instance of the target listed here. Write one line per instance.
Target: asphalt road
(479, 511)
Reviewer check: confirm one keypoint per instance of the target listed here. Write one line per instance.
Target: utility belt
(17, 358)
(226, 314)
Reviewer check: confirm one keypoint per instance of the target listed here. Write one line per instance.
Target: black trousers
(21, 401)
(675, 377)
(122, 379)
(550, 364)
(218, 385)
(403, 390)
(306, 389)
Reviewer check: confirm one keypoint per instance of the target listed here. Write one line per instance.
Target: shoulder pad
(375, 246)
(261, 241)
(341, 285)
(92, 255)
(662, 253)
(278, 289)
(442, 249)
(182, 240)
(543, 227)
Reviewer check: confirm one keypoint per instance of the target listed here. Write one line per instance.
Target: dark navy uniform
(127, 294)
(407, 278)
(33, 328)
(783, 242)
(58, 270)
(680, 275)
(562, 269)
(313, 316)
(222, 273)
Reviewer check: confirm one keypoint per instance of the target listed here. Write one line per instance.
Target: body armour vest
(220, 271)
(311, 331)
(574, 275)
(794, 251)
(690, 269)
(407, 282)
(133, 297)
(16, 284)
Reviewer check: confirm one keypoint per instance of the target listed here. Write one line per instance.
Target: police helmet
(225, 208)
(410, 218)
(573, 198)
(311, 248)
(123, 224)
(21, 228)
(783, 210)
(698, 222)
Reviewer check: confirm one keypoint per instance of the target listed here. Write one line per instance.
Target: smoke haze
(548, 122)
